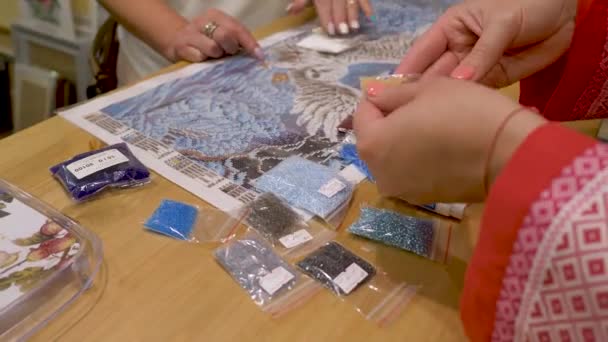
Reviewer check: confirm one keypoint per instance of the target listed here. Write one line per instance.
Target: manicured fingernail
(343, 28)
(289, 7)
(354, 25)
(259, 54)
(331, 29)
(374, 89)
(463, 73)
(372, 18)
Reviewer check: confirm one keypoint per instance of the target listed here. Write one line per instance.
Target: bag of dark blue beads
(317, 189)
(428, 236)
(354, 278)
(284, 228)
(91, 173)
(268, 279)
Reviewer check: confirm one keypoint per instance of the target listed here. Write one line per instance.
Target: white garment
(136, 59)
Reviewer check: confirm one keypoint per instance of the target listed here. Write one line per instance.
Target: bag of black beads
(427, 236)
(372, 292)
(283, 227)
(90, 173)
(306, 185)
(274, 285)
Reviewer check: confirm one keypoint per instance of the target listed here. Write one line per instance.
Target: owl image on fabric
(240, 117)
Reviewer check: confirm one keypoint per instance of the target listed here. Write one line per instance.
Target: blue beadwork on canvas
(412, 234)
(298, 181)
(240, 119)
(173, 219)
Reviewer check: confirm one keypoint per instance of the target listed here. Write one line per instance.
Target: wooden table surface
(156, 289)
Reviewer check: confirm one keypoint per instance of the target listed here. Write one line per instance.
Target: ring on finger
(209, 28)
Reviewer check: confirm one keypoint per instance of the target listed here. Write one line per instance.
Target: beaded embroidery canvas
(214, 128)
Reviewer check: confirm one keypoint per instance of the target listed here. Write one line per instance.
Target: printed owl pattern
(240, 118)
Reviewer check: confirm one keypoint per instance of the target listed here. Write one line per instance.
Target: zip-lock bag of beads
(285, 229)
(368, 288)
(90, 173)
(274, 285)
(310, 186)
(427, 237)
(187, 222)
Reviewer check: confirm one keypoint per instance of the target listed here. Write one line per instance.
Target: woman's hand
(191, 43)
(428, 141)
(494, 42)
(336, 16)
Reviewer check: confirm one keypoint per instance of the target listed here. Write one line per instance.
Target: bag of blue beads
(90, 173)
(426, 237)
(183, 221)
(309, 186)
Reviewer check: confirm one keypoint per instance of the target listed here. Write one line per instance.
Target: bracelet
(494, 142)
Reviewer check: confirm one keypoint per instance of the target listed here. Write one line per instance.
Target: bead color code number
(350, 278)
(274, 280)
(331, 188)
(97, 162)
(295, 239)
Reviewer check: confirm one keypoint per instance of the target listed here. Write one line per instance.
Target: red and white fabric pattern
(556, 285)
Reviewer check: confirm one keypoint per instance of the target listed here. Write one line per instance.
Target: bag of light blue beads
(427, 236)
(187, 222)
(309, 186)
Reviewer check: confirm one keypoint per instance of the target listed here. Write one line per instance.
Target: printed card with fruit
(32, 247)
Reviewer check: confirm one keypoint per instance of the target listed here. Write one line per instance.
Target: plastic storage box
(46, 261)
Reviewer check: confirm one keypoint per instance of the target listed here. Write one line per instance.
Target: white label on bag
(350, 278)
(331, 188)
(295, 239)
(96, 162)
(274, 280)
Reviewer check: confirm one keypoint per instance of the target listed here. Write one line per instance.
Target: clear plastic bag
(307, 185)
(427, 237)
(189, 223)
(368, 288)
(283, 227)
(270, 281)
(90, 173)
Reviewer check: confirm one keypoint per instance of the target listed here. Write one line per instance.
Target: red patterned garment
(540, 269)
(575, 87)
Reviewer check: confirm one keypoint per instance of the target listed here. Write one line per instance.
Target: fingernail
(343, 28)
(354, 25)
(289, 7)
(372, 18)
(374, 89)
(331, 29)
(463, 73)
(259, 53)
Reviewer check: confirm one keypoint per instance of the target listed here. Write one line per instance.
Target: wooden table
(155, 289)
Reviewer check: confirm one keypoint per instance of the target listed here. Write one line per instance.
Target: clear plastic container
(46, 262)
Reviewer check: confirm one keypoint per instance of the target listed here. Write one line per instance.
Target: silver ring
(209, 28)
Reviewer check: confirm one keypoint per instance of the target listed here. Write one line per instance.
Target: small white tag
(323, 43)
(350, 278)
(331, 188)
(96, 162)
(274, 280)
(295, 239)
